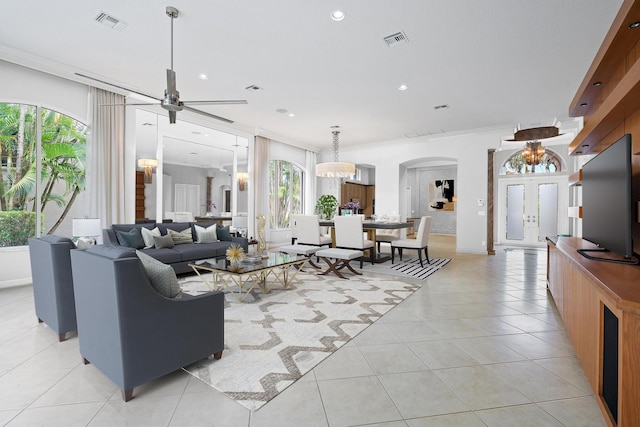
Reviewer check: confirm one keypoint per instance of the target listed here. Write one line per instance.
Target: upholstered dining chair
(350, 235)
(384, 235)
(420, 243)
(308, 231)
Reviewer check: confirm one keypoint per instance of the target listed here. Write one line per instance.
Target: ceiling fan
(171, 100)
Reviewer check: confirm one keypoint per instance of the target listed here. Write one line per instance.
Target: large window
(285, 193)
(62, 179)
(517, 164)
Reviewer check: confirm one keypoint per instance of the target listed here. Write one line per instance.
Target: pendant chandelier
(533, 152)
(335, 169)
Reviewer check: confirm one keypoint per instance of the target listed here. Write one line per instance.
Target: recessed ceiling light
(291, 115)
(281, 110)
(195, 132)
(403, 87)
(337, 15)
(634, 24)
(193, 153)
(584, 104)
(597, 84)
(203, 76)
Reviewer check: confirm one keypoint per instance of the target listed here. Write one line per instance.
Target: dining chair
(420, 243)
(308, 231)
(384, 235)
(349, 235)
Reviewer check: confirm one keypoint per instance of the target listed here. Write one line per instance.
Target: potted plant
(326, 206)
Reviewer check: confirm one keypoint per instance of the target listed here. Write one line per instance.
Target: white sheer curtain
(261, 179)
(310, 183)
(105, 157)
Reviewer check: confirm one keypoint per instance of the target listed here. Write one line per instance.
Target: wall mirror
(197, 173)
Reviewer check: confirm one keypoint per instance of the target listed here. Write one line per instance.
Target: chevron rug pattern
(271, 340)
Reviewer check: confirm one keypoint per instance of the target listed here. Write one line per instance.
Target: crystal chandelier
(335, 169)
(533, 152)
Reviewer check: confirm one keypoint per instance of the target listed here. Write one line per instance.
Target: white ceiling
(494, 62)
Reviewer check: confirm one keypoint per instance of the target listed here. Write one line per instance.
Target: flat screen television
(606, 202)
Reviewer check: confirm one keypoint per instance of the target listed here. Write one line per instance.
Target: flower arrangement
(235, 253)
(352, 205)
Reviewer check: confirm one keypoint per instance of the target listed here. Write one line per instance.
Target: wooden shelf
(610, 91)
(575, 212)
(575, 179)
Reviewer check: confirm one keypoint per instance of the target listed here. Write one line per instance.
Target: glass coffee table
(240, 279)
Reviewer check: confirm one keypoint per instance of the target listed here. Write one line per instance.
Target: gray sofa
(131, 332)
(180, 255)
(53, 283)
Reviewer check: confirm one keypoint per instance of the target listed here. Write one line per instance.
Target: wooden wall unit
(140, 195)
(609, 96)
(581, 288)
(364, 193)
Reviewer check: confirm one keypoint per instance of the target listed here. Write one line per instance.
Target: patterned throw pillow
(131, 238)
(224, 234)
(163, 242)
(206, 235)
(162, 277)
(147, 236)
(180, 238)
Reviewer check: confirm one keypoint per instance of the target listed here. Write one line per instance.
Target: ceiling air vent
(396, 39)
(253, 87)
(110, 21)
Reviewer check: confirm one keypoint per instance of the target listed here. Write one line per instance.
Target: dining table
(370, 226)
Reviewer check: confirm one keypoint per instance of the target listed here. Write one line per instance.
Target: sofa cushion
(131, 238)
(162, 276)
(182, 237)
(160, 242)
(165, 255)
(201, 251)
(223, 233)
(206, 235)
(148, 235)
(177, 226)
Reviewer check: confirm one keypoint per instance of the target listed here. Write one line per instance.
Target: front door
(528, 209)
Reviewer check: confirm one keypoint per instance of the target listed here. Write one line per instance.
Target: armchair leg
(400, 252)
(85, 361)
(426, 253)
(393, 252)
(217, 355)
(127, 395)
(420, 258)
(62, 336)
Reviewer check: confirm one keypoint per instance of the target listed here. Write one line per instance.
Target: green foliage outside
(63, 154)
(285, 193)
(16, 227)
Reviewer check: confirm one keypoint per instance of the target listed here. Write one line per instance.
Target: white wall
(470, 152)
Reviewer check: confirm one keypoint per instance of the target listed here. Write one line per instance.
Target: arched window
(285, 193)
(62, 156)
(550, 162)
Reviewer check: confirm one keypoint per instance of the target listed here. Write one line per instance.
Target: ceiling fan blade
(219, 102)
(204, 113)
(171, 81)
(129, 104)
(172, 116)
(115, 85)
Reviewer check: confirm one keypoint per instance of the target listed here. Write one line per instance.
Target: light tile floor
(479, 344)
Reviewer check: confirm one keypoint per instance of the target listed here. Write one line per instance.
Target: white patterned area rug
(409, 267)
(273, 339)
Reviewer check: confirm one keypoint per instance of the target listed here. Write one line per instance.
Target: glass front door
(528, 211)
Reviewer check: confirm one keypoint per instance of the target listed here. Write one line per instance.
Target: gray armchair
(128, 330)
(52, 283)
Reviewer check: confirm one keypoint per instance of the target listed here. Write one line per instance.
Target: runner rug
(409, 267)
(273, 339)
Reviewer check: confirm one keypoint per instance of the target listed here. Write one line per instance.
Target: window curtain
(261, 174)
(310, 183)
(105, 157)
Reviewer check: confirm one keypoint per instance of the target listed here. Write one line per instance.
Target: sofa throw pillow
(163, 242)
(182, 237)
(131, 238)
(206, 235)
(147, 236)
(162, 276)
(223, 234)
